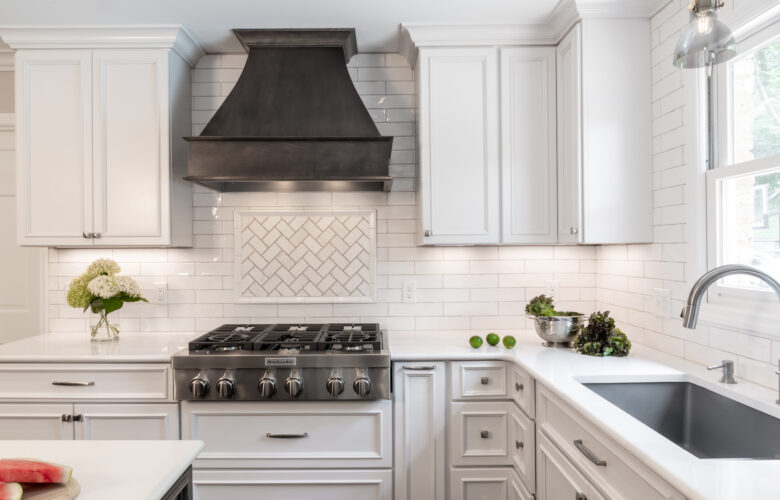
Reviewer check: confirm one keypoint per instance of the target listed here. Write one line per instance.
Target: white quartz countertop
(78, 348)
(563, 370)
(119, 470)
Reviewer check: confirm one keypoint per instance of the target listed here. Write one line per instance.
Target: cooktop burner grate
(230, 337)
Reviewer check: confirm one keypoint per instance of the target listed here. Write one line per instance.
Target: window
(744, 189)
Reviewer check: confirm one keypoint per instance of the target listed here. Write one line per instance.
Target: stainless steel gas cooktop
(285, 362)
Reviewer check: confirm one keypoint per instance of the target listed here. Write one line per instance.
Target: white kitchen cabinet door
(131, 150)
(54, 146)
(482, 484)
(557, 478)
(459, 138)
(35, 421)
(569, 71)
(528, 141)
(126, 421)
(321, 484)
(480, 433)
(522, 442)
(419, 405)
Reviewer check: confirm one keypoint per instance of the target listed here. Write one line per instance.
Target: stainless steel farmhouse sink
(702, 422)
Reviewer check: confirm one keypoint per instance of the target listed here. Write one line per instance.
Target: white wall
(627, 275)
(460, 290)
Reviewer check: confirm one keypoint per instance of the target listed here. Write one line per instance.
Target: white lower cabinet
(420, 398)
(479, 433)
(89, 421)
(557, 478)
(486, 484)
(333, 484)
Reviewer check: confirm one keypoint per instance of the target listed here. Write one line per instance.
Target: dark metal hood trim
(293, 121)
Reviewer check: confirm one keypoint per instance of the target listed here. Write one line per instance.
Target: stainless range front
(284, 362)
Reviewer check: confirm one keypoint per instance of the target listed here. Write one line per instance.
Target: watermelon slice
(10, 491)
(24, 470)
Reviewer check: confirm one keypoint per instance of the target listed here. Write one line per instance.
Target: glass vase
(102, 328)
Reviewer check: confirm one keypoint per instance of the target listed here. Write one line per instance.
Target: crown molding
(546, 32)
(7, 122)
(174, 37)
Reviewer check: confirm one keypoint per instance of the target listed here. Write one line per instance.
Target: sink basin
(702, 422)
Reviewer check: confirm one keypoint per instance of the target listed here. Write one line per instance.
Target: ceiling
(377, 22)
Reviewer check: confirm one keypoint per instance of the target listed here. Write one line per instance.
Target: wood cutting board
(52, 491)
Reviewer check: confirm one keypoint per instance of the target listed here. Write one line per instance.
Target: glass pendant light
(706, 40)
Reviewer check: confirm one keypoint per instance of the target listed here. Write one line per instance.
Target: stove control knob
(293, 386)
(362, 386)
(199, 387)
(267, 387)
(335, 386)
(226, 388)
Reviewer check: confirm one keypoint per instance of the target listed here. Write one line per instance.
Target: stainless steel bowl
(559, 330)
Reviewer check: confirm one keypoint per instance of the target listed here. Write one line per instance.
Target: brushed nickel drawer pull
(484, 434)
(518, 387)
(485, 380)
(519, 445)
(287, 436)
(67, 418)
(78, 418)
(589, 454)
(73, 384)
(418, 368)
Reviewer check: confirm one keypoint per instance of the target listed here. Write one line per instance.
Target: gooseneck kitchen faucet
(690, 312)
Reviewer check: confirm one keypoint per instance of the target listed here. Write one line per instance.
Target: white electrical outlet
(662, 298)
(409, 292)
(552, 288)
(159, 293)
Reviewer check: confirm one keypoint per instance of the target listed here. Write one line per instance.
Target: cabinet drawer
(480, 380)
(558, 479)
(291, 435)
(484, 484)
(480, 433)
(622, 475)
(522, 390)
(122, 382)
(292, 484)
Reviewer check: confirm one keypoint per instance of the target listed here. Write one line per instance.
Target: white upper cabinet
(100, 136)
(604, 133)
(459, 163)
(528, 168)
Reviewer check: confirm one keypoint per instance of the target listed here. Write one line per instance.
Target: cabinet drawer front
(123, 382)
(292, 435)
(557, 478)
(156, 421)
(522, 440)
(522, 390)
(622, 476)
(35, 421)
(293, 485)
(480, 433)
(478, 484)
(480, 380)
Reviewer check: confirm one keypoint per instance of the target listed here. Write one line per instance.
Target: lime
(476, 341)
(492, 338)
(509, 341)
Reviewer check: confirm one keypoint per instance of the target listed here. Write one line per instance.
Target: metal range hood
(293, 122)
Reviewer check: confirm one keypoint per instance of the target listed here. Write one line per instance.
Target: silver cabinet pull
(67, 418)
(287, 436)
(518, 387)
(484, 434)
(427, 233)
(96, 235)
(86, 235)
(418, 368)
(589, 454)
(73, 384)
(484, 380)
(573, 230)
(519, 445)
(78, 418)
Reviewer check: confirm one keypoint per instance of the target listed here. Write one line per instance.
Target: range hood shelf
(293, 121)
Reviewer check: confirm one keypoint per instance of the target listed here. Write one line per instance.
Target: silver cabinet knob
(362, 386)
(518, 387)
(484, 434)
(335, 386)
(427, 233)
(267, 387)
(67, 418)
(484, 380)
(199, 387)
(573, 230)
(96, 235)
(293, 386)
(226, 388)
(86, 235)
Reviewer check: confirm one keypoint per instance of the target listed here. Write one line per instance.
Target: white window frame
(747, 41)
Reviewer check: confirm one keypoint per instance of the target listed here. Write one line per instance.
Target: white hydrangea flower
(103, 266)
(128, 285)
(103, 286)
